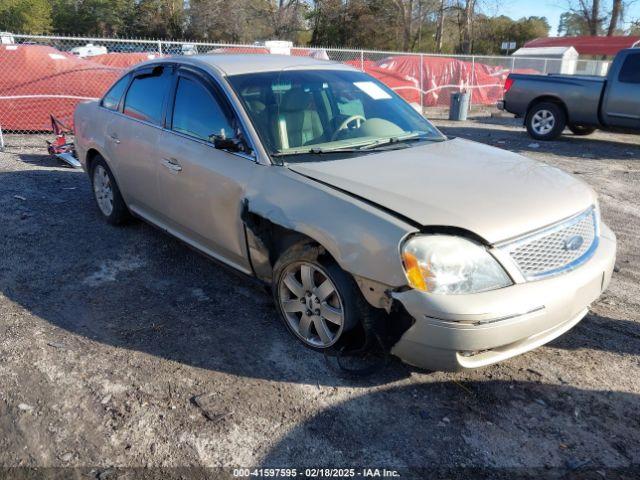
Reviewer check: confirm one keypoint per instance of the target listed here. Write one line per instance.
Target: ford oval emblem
(573, 243)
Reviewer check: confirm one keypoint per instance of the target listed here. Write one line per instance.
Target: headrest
(295, 100)
(256, 106)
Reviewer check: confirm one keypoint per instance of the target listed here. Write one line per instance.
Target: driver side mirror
(230, 144)
(233, 144)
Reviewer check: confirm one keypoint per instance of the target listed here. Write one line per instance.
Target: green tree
(159, 18)
(93, 17)
(572, 25)
(25, 16)
(490, 32)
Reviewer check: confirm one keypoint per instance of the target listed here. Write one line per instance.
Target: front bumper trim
(485, 321)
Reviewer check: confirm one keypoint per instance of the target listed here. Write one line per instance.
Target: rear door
(134, 136)
(201, 186)
(621, 105)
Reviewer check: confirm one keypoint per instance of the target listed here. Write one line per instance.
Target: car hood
(491, 192)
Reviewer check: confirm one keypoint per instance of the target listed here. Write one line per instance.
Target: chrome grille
(557, 248)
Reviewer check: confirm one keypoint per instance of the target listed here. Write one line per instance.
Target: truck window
(630, 72)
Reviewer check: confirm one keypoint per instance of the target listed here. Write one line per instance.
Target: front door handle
(114, 138)
(172, 164)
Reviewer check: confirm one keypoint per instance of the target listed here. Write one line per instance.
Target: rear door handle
(172, 164)
(114, 138)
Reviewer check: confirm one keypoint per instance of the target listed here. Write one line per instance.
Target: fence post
(422, 83)
(362, 60)
(545, 65)
(513, 63)
(473, 74)
(160, 47)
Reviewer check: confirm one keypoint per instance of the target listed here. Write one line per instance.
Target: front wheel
(317, 300)
(581, 130)
(545, 121)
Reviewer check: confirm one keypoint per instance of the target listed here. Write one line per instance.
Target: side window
(113, 96)
(197, 113)
(146, 95)
(630, 71)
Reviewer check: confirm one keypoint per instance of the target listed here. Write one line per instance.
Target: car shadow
(42, 160)
(587, 148)
(500, 429)
(137, 288)
(613, 335)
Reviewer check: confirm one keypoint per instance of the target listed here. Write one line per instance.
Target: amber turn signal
(414, 274)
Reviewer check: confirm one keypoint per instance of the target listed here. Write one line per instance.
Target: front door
(201, 186)
(621, 106)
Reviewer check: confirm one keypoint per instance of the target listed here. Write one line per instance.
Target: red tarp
(441, 76)
(123, 60)
(38, 81)
(607, 46)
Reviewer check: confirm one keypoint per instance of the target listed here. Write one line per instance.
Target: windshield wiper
(369, 147)
(318, 151)
(413, 137)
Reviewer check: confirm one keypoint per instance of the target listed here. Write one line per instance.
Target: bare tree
(616, 11)
(589, 12)
(440, 26)
(285, 16)
(465, 23)
(412, 15)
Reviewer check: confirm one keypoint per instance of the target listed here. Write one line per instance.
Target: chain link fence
(49, 75)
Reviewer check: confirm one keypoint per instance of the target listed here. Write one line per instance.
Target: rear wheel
(107, 194)
(581, 130)
(317, 300)
(545, 121)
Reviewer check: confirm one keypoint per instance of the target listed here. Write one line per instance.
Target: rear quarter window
(112, 99)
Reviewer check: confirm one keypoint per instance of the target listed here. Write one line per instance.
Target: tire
(545, 121)
(581, 130)
(107, 194)
(306, 316)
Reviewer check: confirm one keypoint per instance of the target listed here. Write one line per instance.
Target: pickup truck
(549, 103)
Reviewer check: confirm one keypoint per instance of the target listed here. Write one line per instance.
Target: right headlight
(452, 265)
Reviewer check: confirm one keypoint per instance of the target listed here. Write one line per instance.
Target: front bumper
(457, 332)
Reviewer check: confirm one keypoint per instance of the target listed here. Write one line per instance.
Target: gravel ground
(121, 347)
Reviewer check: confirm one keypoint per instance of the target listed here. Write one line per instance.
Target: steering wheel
(345, 124)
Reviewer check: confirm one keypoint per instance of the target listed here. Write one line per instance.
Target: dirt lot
(107, 334)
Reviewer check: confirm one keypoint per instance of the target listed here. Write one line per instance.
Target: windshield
(320, 111)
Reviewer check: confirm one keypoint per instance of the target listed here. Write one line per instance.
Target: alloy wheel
(103, 190)
(311, 304)
(543, 122)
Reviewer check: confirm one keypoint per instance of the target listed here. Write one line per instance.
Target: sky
(552, 9)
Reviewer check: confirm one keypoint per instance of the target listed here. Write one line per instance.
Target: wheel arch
(267, 240)
(92, 154)
(548, 98)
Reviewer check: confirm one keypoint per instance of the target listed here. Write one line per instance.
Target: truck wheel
(317, 300)
(581, 130)
(107, 194)
(545, 121)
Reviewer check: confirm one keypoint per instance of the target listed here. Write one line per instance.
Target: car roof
(236, 64)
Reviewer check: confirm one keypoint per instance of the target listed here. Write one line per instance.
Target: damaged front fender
(362, 239)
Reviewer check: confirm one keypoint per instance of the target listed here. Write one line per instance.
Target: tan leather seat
(298, 121)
